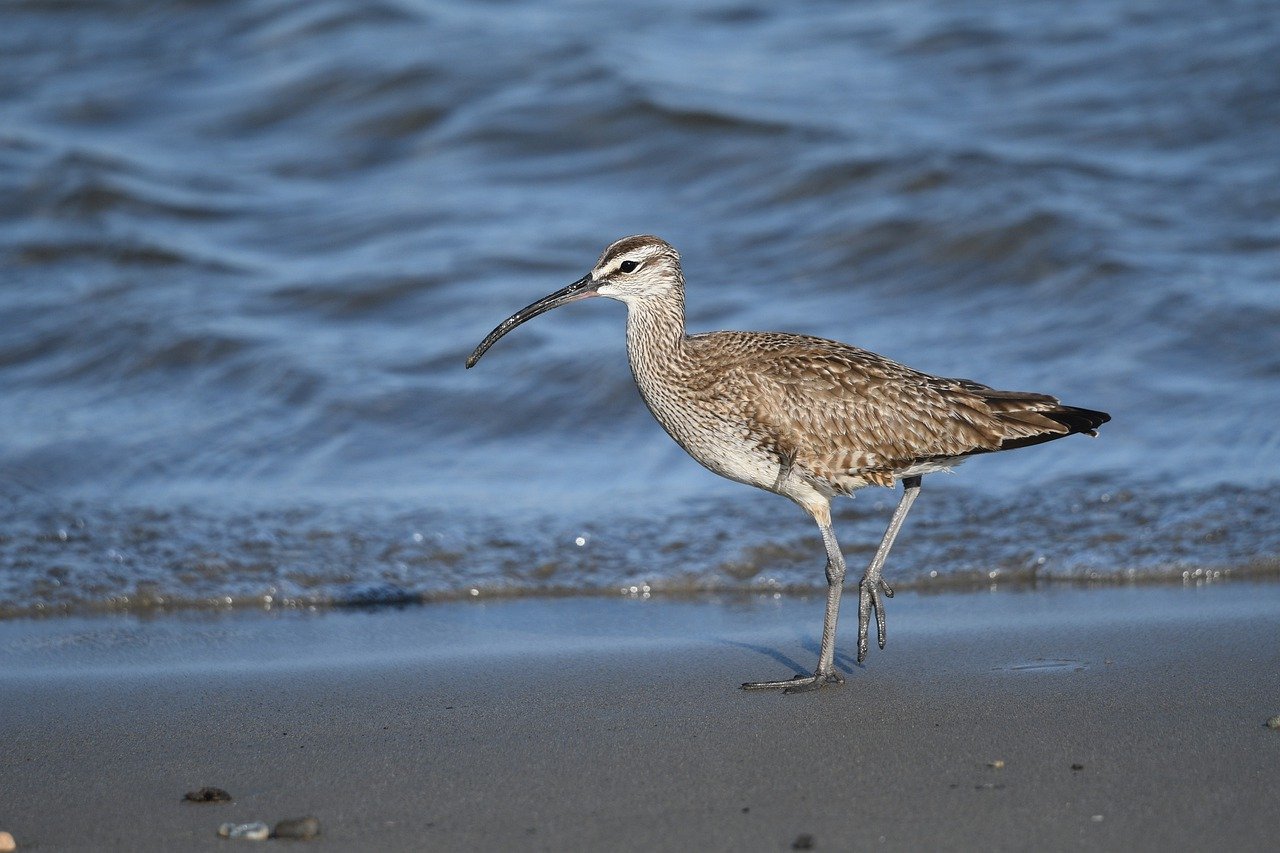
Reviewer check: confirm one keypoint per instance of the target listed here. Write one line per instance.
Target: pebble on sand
(7, 844)
(302, 828)
(998, 764)
(207, 795)
(1274, 722)
(256, 831)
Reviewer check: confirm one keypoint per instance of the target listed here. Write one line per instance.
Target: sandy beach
(1117, 718)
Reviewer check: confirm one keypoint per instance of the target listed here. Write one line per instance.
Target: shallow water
(126, 648)
(246, 246)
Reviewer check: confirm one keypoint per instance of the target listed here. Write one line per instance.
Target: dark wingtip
(1086, 421)
(1077, 421)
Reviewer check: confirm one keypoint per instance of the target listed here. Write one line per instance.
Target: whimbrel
(803, 417)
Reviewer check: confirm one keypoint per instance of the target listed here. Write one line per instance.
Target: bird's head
(630, 270)
(638, 268)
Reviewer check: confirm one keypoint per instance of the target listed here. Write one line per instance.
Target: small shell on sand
(7, 844)
(256, 831)
(303, 828)
(1274, 722)
(207, 795)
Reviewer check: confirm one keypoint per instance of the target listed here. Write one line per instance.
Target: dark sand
(594, 724)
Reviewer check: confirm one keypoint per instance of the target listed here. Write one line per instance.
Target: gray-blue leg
(826, 672)
(872, 584)
(870, 591)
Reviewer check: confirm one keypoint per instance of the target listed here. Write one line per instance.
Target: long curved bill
(581, 289)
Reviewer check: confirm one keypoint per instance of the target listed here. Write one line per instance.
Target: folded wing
(837, 411)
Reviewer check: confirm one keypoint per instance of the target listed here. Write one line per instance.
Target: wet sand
(1124, 718)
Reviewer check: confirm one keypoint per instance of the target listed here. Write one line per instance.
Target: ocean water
(246, 246)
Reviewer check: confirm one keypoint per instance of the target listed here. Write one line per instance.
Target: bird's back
(841, 416)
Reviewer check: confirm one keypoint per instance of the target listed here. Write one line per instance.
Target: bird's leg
(872, 584)
(826, 671)
(784, 471)
(835, 583)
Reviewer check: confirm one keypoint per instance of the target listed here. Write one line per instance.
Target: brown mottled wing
(839, 411)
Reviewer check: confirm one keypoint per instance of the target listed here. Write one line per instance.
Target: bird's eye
(628, 266)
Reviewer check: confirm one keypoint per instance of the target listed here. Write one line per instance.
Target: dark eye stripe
(628, 266)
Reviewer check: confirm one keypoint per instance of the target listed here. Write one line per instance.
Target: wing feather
(839, 411)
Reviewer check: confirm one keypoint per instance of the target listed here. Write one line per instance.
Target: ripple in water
(246, 246)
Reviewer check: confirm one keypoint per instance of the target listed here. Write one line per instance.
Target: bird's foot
(798, 684)
(870, 589)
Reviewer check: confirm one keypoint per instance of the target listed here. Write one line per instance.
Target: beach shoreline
(1112, 717)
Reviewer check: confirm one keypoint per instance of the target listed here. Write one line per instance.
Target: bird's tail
(1036, 418)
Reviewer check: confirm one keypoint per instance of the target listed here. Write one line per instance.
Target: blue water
(246, 246)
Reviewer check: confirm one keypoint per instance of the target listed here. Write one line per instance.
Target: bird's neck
(655, 334)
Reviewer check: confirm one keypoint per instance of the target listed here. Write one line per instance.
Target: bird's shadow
(843, 662)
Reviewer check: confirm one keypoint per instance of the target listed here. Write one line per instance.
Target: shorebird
(802, 417)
